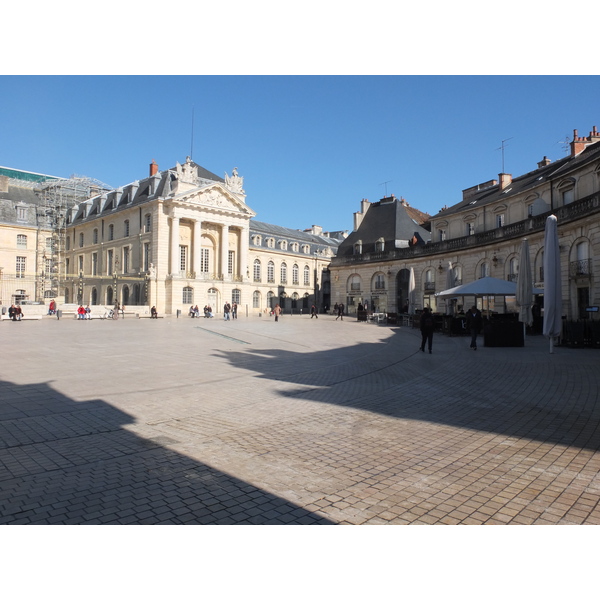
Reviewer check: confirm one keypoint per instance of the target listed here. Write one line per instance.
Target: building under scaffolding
(33, 216)
(57, 197)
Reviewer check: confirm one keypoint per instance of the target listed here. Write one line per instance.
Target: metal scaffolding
(58, 196)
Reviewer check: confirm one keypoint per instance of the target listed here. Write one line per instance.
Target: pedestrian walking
(427, 326)
(474, 325)
(340, 314)
(313, 312)
(277, 312)
(226, 311)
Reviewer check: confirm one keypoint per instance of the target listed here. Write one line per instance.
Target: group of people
(84, 313)
(15, 312)
(474, 324)
(230, 311)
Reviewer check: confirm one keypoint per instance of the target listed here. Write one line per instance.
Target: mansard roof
(491, 193)
(389, 219)
(266, 230)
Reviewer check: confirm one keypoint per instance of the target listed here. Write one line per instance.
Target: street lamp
(80, 289)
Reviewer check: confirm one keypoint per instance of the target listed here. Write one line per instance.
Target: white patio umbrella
(524, 295)
(411, 292)
(552, 282)
(450, 279)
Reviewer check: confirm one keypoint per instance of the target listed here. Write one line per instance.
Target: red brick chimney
(505, 180)
(153, 168)
(579, 143)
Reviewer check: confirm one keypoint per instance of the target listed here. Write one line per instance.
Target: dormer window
(358, 247)
(271, 243)
(283, 245)
(380, 245)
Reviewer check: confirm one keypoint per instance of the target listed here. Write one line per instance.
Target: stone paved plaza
(304, 421)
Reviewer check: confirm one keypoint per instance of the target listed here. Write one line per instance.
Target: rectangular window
(230, 261)
(48, 266)
(21, 213)
(109, 262)
(470, 228)
(126, 259)
(148, 224)
(49, 245)
(568, 196)
(204, 260)
(306, 276)
(95, 238)
(21, 261)
(67, 266)
(126, 229)
(80, 259)
(21, 241)
(442, 235)
(146, 256)
(183, 258)
(95, 263)
(236, 296)
(499, 220)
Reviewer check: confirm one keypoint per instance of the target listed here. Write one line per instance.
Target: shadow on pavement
(524, 395)
(71, 462)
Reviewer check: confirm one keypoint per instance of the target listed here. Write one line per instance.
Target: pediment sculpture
(235, 182)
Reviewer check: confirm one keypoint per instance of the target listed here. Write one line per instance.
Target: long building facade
(481, 236)
(185, 237)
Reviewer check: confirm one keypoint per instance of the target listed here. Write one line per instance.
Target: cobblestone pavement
(304, 421)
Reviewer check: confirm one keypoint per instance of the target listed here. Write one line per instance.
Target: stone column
(243, 252)
(224, 250)
(175, 266)
(197, 245)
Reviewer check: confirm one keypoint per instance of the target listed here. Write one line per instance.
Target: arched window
(188, 295)
(109, 296)
(271, 300)
(484, 270)
(380, 245)
(271, 272)
(295, 275)
(95, 236)
(283, 273)
(354, 283)
(256, 300)
(111, 232)
(513, 269)
(306, 275)
(257, 269)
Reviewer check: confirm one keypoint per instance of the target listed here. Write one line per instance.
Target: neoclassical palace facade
(184, 237)
(481, 236)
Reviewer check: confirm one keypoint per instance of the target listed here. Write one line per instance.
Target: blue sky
(309, 147)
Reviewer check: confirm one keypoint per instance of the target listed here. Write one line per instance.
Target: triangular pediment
(215, 197)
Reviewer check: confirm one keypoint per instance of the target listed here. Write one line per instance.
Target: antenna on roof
(502, 148)
(565, 144)
(192, 142)
(385, 183)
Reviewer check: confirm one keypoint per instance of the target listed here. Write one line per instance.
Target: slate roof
(317, 242)
(389, 219)
(553, 171)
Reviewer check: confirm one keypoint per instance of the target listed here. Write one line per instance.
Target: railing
(429, 286)
(586, 206)
(511, 277)
(580, 268)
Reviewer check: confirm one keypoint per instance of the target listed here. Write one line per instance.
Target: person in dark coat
(474, 325)
(427, 326)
